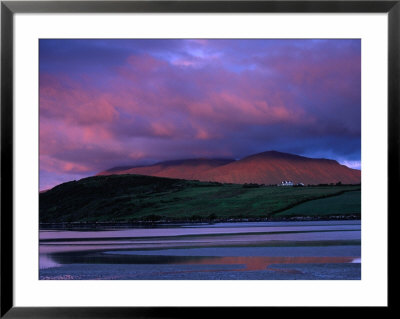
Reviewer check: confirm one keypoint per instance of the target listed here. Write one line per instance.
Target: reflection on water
(261, 263)
(242, 247)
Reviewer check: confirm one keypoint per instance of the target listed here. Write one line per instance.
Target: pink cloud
(162, 129)
(63, 98)
(228, 107)
(202, 134)
(56, 165)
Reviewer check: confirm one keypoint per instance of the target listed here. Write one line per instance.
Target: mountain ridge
(269, 167)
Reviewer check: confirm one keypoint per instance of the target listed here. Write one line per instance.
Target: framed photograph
(165, 157)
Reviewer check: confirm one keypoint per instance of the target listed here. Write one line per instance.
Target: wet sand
(335, 271)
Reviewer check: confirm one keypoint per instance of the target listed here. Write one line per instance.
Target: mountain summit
(269, 167)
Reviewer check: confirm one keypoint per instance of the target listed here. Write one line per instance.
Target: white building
(286, 183)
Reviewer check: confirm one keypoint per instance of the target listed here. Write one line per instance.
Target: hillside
(183, 169)
(264, 168)
(274, 167)
(131, 198)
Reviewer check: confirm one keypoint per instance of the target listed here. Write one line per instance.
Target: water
(265, 250)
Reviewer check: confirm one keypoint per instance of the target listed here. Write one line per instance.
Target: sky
(117, 102)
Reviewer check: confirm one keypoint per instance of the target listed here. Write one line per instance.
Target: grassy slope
(346, 203)
(128, 198)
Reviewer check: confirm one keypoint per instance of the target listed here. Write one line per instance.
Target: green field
(343, 204)
(130, 198)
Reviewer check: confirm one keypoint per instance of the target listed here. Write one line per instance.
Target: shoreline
(146, 223)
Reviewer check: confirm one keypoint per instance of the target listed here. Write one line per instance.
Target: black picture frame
(9, 8)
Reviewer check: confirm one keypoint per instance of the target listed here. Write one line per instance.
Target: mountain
(184, 169)
(269, 167)
(273, 167)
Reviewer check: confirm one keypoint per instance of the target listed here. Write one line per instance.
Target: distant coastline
(188, 221)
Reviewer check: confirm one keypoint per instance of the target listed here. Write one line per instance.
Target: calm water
(266, 250)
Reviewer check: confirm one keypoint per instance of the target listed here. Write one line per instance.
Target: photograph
(199, 159)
